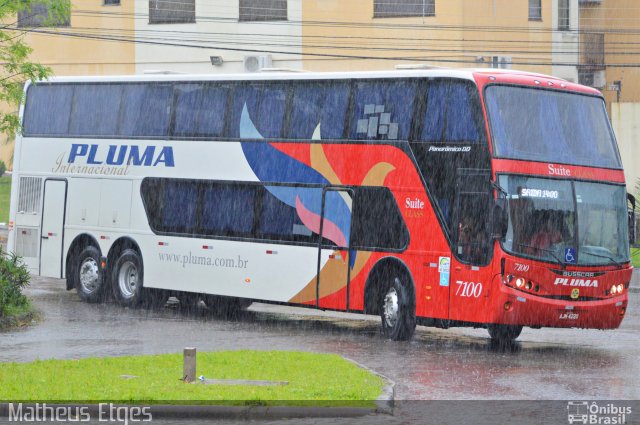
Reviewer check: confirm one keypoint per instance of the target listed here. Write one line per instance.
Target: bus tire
(127, 277)
(398, 311)
(504, 333)
(87, 276)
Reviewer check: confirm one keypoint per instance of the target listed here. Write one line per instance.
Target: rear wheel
(87, 276)
(127, 277)
(504, 333)
(398, 311)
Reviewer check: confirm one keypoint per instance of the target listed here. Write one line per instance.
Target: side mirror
(499, 218)
(631, 213)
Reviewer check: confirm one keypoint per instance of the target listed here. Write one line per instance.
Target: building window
(563, 15)
(172, 11)
(397, 8)
(263, 10)
(112, 2)
(535, 10)
(38, 15)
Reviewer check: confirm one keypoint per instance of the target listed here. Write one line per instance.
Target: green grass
(314, 379)
(635, 257)
(5, 196)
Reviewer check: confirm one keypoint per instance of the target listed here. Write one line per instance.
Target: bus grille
(29, 195)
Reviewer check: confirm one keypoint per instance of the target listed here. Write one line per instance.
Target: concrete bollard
(189, 370)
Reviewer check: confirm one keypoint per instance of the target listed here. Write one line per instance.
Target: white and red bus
(478, 198)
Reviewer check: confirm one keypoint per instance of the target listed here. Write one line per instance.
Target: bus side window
(314, 104)
(266, 105)
(48, 109)
(200, 110)
(91, 121)
(383, 110)
(145, 110)
(377, 221)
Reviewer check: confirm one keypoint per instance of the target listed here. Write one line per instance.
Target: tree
(14, 52)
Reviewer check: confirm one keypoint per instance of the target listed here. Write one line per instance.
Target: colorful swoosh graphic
(308, 163)
(272, 165)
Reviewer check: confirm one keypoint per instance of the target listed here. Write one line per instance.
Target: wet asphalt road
(548, 364)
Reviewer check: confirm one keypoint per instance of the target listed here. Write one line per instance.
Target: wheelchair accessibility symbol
(570, 255)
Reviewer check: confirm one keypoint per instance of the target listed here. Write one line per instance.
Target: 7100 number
(468, 289)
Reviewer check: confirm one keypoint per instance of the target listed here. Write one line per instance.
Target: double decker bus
(480, 198)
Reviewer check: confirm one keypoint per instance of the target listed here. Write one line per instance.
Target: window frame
(39, 20)
(251, 4)
(535, 10)
(428, 9)
(564, 15)
(190, 20)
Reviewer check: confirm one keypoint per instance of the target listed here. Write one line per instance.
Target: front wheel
(87, 275)
(398, 311)
(126, 279)
(504, 333)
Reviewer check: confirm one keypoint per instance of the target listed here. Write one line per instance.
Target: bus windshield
(569, 222)
(550, 126)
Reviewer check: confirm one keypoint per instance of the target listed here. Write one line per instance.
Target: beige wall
(620, 21)
(625, 118)
(82, 56)
(441, 39)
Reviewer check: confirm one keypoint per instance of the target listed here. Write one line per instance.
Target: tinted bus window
(318, 104)
(451, 114)
(383, 110)
(265, 105)
(146, 110)
(96, 110)
(377, 222)
(279, 218)
(177, 206)
(48, 109)
(228, 209)
(200, 110)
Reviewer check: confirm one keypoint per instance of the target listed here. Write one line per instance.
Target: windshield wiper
(602, 256)
(499, 188)
(553, 254)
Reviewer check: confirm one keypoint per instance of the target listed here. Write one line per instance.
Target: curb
(385, 402)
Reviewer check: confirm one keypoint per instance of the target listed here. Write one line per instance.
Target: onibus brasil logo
(583, 412)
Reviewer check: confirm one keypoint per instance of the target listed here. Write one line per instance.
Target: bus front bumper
(519, 308)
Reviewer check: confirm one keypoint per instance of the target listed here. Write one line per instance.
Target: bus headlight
(614, 290)
(519, 282)
(620, 288)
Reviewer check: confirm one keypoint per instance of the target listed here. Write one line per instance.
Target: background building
(594, 42)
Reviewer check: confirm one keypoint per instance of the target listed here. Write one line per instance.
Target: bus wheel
(398, 312)
(89, 280)
(504, 333)
(127, 278)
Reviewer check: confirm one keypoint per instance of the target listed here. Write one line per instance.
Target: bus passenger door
(52, 228)
(334, 257)
(470, 274)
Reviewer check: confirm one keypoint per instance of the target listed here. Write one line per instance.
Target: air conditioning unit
(599, 79)
(254, 63)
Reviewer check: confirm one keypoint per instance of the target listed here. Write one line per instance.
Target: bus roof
(483, 75)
